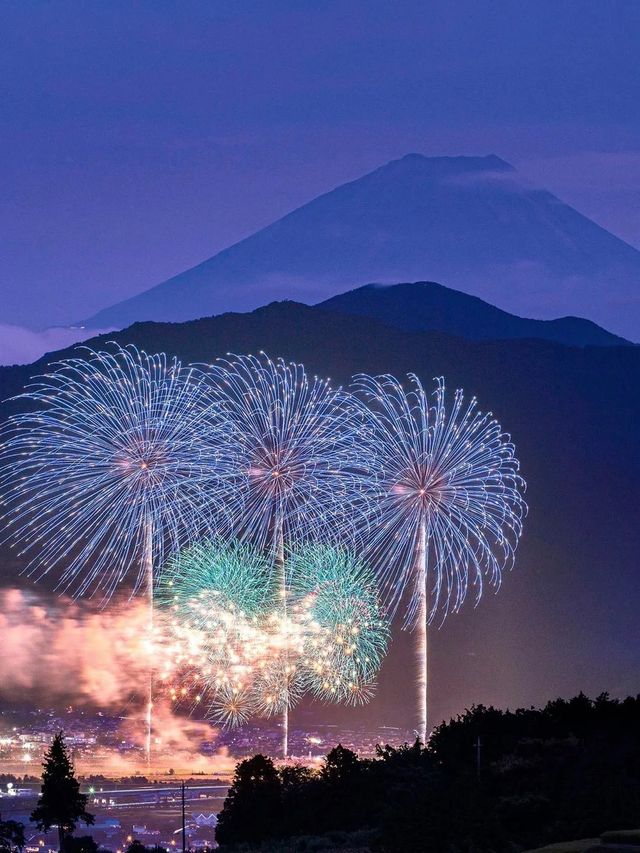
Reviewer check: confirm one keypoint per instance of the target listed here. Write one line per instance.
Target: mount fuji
(471, 223)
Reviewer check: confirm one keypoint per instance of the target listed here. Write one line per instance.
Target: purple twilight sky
(140, 138)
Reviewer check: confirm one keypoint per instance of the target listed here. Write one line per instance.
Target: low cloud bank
(22, 346)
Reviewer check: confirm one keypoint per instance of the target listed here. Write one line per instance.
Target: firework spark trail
(110, 469)
(450, 503)
(300, 471)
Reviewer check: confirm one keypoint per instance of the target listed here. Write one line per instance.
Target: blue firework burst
(109, 467)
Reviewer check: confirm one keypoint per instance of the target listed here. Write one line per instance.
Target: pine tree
(60, 804)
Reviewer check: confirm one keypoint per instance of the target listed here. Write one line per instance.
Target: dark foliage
(80, 844)
(60, 803)
(253, 807)
(489, 781)
(138, 847)
(11, 836)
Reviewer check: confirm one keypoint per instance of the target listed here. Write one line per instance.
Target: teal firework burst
(234, 647)
(214, 597)
(335, 595)
(215, 576)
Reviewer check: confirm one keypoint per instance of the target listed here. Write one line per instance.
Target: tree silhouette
(295, 776)
(11, 836)
(60, 803)
(83, 844)
(340, 765)
(252, 809)
(138, 847)
(568, 770)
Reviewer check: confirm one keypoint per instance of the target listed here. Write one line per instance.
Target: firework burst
(109, 469)
(213, 597)
(335, 596)
(300, 474)
(450, 504)
(233, 646)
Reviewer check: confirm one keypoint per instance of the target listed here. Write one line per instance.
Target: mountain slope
(573, 413)
(428, 306)
(467, 221)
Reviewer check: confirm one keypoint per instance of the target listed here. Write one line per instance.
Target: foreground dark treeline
(490, 780)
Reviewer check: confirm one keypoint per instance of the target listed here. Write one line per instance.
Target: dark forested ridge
(490, 781)
(423, 306)
(566, 618)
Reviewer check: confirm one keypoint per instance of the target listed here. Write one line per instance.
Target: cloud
(22, 346)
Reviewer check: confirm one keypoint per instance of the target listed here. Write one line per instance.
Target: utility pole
(184, 825)
(478, 755)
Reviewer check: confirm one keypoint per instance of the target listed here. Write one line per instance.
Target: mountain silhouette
(428, 306)
(566, 618)
(469, 222)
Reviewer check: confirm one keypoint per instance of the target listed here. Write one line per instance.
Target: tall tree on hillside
(252, 809)
(60, 803)
(340, 765)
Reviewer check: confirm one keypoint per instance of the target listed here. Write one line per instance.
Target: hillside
(573, 413)
(428, 306)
